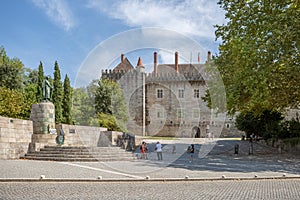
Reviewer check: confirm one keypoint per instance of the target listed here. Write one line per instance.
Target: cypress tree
(67, 101)
(57, 96)
(41, 76)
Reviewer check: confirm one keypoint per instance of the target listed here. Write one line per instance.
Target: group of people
(158, 149)
(144, 150)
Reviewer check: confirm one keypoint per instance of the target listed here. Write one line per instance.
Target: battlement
(116, 75)
(151, 77)
(161, 72)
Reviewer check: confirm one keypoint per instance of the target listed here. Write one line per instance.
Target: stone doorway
(196, 132)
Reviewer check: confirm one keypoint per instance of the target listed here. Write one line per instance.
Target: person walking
(143, 150)
(158, 149)
(191, 151)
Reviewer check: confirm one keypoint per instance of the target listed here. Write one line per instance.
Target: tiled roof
(125, 65)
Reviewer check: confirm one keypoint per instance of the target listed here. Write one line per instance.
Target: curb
(147, 179)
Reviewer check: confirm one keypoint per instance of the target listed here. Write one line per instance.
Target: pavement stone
(220, 161)
(260, 189)
(167, 178)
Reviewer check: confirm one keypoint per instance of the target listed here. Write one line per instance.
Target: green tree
(290, 129)
(11, 71)
(57, 97)
(109, 103)
(67, 102)
(29, 98)
(259, 57)
(11, 103)
(83, 109)
(41, 78)
(266, 125)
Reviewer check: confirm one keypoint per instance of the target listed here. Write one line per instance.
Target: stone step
(64, 159)
(81, 149)
(80, 154)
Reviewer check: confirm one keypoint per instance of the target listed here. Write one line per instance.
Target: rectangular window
(179, 113)
(181, 93)
(160, 93)
(196, 93)
(160, 113)
(196, 113)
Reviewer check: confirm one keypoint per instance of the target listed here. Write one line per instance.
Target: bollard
(42, 177)
(251, 149)
(236, 149)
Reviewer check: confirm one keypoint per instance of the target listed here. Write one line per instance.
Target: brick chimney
(140, 63)
(155, 63)
(208, 56)
(176, 61)
(140, 66)
(122, 57)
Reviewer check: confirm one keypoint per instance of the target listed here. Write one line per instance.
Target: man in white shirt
(158, 151)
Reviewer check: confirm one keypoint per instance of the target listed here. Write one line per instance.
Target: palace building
(166, 102)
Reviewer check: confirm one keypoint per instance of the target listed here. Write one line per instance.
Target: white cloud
(190, 17)
(58, 12)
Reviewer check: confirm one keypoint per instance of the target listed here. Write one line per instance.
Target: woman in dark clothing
(191, 151)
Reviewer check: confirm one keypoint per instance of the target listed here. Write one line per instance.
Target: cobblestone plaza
(219, 175)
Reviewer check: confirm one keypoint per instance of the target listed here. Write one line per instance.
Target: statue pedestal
(43, 117)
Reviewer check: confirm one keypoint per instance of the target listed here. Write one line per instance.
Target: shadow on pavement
(224, 158)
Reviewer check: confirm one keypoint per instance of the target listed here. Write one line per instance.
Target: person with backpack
(191, 151)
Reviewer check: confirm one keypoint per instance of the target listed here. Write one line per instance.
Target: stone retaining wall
(15, 136)
(80, 135)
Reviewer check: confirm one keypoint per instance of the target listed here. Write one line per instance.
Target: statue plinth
(43, 117)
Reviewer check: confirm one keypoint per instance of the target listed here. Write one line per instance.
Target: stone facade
(15, 136)
(166, 102)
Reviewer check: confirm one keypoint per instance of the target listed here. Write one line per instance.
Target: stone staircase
(80, 154)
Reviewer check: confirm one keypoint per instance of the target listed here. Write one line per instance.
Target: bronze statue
(47, 90)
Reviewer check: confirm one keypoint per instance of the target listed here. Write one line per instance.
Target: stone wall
(15, 136)
(80, 135)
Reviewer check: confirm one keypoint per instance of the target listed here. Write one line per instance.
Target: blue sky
(68, 30)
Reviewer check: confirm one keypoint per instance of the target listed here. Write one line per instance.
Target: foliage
(57, 96)
(266, 125)
(41, 78)
(215, 95)
(29, 98)
(108, 121)
(290, 129)
(16, 103)
(83, 109)
(11, 103)
(109, 102)
(11, 71)
(259, 57)
(67, 102)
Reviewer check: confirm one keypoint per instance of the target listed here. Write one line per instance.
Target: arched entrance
(196, 132)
